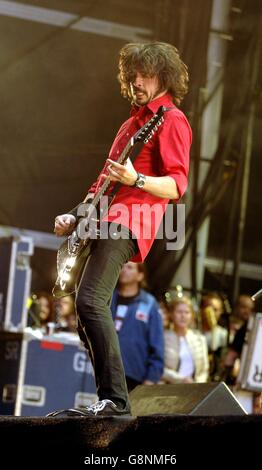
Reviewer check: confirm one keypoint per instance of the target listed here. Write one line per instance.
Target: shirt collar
(165, 100)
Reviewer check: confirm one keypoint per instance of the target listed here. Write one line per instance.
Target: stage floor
(168, 440)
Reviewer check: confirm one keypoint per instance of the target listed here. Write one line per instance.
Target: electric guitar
(74, 251)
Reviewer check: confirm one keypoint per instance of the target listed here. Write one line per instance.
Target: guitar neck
(123, 157)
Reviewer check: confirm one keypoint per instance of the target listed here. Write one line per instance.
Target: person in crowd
(257, 403)
(65, 314)
(139, 326)
(244, 307)
(186, 354)
(41, 311)
(211, 309)
(243, 310)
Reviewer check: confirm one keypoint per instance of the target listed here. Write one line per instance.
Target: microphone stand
(257, 295)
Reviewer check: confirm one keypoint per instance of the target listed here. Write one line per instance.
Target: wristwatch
(140, 181)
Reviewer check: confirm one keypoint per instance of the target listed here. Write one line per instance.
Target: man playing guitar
(150, 75)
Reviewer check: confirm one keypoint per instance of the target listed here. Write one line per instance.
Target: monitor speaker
(200, 399)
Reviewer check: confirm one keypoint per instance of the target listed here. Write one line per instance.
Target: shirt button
(117, 151)
(127, 133)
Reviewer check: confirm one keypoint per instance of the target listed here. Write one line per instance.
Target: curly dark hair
(150, 59)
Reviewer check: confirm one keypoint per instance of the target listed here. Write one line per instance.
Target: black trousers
(95, 324)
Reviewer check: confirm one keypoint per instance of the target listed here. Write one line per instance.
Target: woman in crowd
(186, 355)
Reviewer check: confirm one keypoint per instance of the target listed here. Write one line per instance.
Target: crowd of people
(166, 341)
(51, 315)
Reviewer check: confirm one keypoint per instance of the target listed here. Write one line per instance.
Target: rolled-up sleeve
(175, 137)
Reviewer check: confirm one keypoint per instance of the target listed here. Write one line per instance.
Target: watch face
(140, 181)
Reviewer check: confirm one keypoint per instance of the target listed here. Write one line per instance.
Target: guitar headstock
(150, 127)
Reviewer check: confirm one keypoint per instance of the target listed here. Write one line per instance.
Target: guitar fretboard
(107, 182)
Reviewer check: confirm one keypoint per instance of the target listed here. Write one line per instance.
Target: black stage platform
(202, 441)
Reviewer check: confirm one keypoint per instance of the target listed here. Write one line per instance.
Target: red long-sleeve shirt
(166, 154)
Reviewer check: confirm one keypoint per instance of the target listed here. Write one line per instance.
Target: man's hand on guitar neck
(64, 224)
(125, 174)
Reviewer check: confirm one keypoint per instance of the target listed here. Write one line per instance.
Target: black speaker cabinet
(200, 399)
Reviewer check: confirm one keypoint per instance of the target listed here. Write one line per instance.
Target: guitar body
(74, 252)
(69, 276)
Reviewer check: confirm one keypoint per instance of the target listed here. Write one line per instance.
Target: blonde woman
(186, 356)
